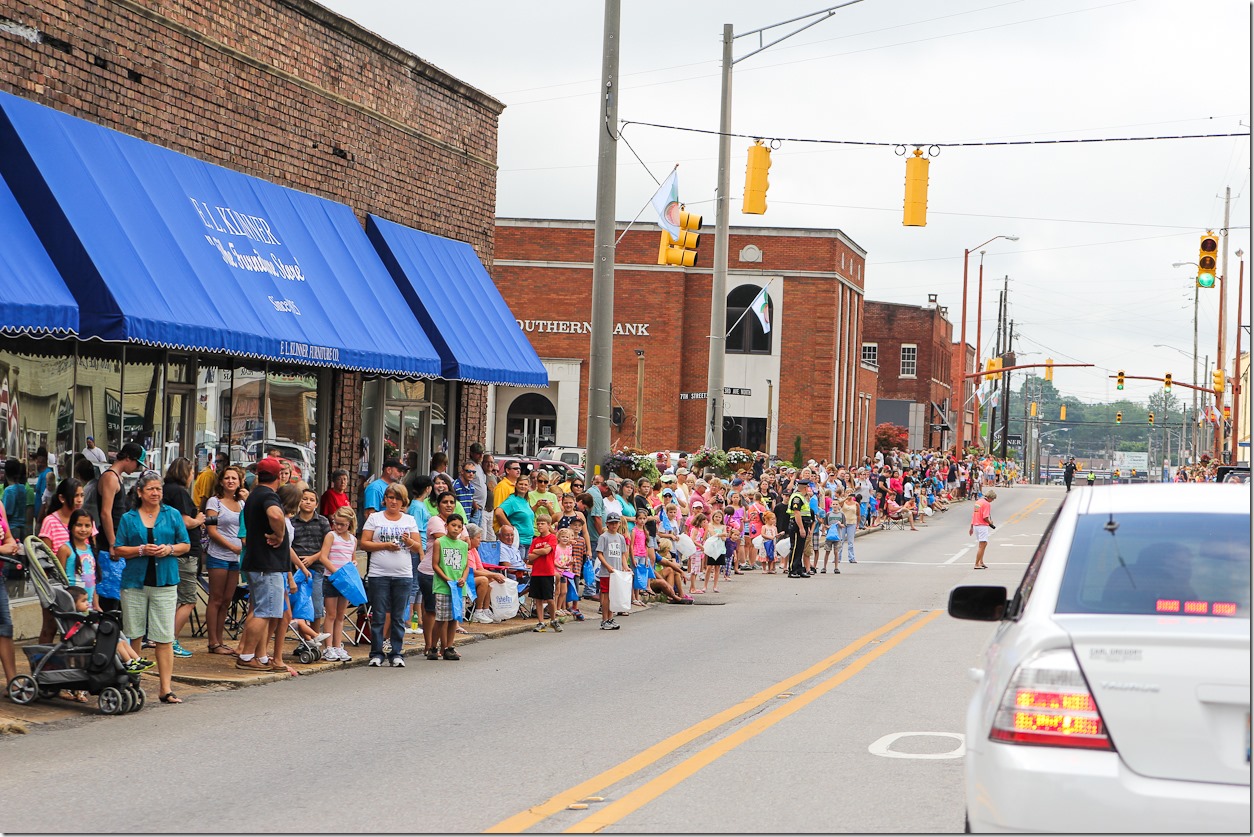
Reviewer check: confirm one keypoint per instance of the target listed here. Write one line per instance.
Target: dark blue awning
(33, 299)
(166, 250)
(452, 295)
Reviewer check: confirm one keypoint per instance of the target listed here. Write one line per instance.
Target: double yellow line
(654, 788)
(1026, 510)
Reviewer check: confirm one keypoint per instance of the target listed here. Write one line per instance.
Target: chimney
(931, 300)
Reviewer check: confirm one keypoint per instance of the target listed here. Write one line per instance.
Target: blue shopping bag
(347, 580)
(302, 599)
(109, 576)
(572, 590)
(640, 577)
(458, 600)
(590, 588)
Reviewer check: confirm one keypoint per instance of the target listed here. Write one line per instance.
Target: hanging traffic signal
(1049, 369)
(1062, 413)
(1119, 417)
(1119, 381)
(1227, 413)
(1033, 409)
(1206, 253)
(1217, 381)
(1151, 419)
(681, 252)
(916, 190)
(755, 179)
(1167, 382)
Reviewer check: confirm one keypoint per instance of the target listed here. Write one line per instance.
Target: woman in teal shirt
(151, 538)
(516, 511)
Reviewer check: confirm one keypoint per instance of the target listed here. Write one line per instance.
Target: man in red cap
(267, 561)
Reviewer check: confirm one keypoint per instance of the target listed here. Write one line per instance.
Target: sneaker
(579, 616)
(413, 629)
(398, 662)
(139, 666)
(432, 654)
(852, 561)
(614, 624)
(608, 626)
(329, 655)
(180, 651)
(539, 628)
(343, 655)
(555, 626)
(375, 662)
(320, 638)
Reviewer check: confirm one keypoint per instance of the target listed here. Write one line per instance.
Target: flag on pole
(666, 204)
(761, 306)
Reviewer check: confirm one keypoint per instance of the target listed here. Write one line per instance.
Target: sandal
(170, 697)
(223, 650)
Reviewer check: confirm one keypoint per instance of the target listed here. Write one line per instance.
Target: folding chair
(356, 628)
(198, 625)
(490, 555)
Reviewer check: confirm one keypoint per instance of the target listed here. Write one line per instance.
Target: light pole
(1048, 447)
(960, 445)
(722, 217)
(639, 394)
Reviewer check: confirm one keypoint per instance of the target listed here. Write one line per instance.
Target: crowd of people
(144, 549)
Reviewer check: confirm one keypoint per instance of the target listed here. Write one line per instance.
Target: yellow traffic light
(1151, 419)
(1207, 250)
(1049, 369)
(756, 180)
(1227, 413)
(1119, 382)
(681, 252)
(916, 190)
(1119, 417)
(1062, 413)
(1167, 382)
(1033, 409)
(1217, 381)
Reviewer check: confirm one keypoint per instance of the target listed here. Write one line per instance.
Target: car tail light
(1048, 702)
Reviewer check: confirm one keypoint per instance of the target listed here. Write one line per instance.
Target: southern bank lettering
(570, 327)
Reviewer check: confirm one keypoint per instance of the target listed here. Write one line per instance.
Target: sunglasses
(576, 485)
(542, 482)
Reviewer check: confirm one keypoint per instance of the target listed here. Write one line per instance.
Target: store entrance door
(530, 425)
(180, 410)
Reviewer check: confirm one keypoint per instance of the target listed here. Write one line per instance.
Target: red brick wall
(280, 89)
(892, 325)
(676, 304)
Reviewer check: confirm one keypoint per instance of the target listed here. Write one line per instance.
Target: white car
(1115, 695)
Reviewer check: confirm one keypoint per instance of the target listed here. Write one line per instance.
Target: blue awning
(33, 299)
(458, 304)
(166, 250)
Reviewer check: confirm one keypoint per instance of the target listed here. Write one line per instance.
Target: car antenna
(1111, 526)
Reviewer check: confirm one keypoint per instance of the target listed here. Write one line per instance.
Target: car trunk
(1173, 691)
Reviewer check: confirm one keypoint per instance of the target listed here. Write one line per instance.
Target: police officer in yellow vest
(800, 523)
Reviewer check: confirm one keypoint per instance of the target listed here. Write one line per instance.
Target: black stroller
(85, 657)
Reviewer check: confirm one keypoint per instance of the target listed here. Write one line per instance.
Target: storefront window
(293, 421)
(143, 408)
(98, 405)
(211, 426)
(441, 394)
(247, 413)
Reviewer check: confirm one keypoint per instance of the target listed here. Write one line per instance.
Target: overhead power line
(884, 144)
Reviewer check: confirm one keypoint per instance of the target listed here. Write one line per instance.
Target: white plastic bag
(759, 544)
(714, 547)
(783, 547)
(620, 593)
(504, 599)
(686, 547)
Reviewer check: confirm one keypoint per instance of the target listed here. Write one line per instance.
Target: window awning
(459, 306)
(33, 299)
(166, 250)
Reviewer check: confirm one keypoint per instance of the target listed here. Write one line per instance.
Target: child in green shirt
(452, 566)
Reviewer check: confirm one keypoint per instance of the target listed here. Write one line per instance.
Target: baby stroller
(85, 658)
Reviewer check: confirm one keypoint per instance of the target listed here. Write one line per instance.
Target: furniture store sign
(570, 327)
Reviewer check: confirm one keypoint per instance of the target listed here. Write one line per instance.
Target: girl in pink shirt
(696, 531)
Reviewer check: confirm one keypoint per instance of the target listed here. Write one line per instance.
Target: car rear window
(1179, 564)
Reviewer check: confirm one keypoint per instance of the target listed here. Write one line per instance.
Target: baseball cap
(269, 467)
(682, 471)
(668, 493)
(668, 478)
(613, 517)
(395, 463)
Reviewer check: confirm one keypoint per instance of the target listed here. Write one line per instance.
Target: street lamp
(961, 444)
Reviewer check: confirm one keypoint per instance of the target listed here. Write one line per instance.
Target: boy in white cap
(611, 556)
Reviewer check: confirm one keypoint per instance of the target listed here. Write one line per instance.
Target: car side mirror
(978, 602)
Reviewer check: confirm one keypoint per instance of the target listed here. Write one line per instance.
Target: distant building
(913, 346)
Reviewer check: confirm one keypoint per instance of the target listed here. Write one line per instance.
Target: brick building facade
(287, 91)
(958, 369)
(913, 348)
(805, 375)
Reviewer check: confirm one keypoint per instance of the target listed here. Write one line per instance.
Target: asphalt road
(761, 715)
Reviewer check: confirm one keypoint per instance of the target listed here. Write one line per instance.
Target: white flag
(761, 306)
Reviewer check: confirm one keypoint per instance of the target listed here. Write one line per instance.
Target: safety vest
(805, 504)
(1092, 476)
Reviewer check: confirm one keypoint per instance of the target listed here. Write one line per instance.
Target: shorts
(443, 607)
(6, 618)
(981, 534)
(329, 591)
(266, 592)
(212, 563)
(720, 561)
(426, 589)
(542, 587)
(603, 584)
(188, 564)
(149, 611)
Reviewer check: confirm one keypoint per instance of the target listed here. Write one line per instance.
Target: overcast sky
(1091, 278)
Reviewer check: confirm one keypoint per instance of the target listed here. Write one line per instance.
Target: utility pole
(1005, 394)
(997, 348)
(1222, 284)
(1195, 396)
(600, 373)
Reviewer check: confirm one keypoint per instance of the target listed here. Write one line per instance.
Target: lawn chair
(490, 555)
